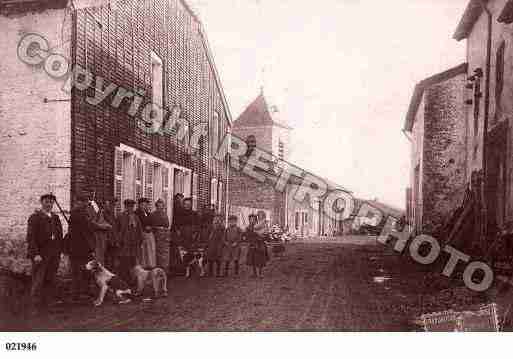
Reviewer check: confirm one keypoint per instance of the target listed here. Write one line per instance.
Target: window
(138, 174)
(477, 104)
(157, 80)
(297, 221)
(251, 144)
(499, 77)
(213, 192)
(214, 134)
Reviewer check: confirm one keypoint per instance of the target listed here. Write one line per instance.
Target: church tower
(261, 122)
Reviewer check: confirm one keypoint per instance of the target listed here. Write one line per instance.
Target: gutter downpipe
(486, 117)
(406, 134)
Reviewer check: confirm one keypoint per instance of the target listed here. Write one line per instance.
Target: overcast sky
(341, 72)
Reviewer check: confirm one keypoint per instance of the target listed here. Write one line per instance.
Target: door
(496, 178)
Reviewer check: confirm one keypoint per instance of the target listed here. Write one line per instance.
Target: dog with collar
(107, 280)
(155, 278)
(192, 259)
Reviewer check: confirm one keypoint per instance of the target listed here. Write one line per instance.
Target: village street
(317, 285)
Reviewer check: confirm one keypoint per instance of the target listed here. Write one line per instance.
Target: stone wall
(35, 134)
(444, 152)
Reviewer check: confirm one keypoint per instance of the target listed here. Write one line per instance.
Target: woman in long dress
(257, 256)
(160, 225)
(148, 252)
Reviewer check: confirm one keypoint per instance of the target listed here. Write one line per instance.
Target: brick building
(260, 125)
(436, 124)
(66, 142)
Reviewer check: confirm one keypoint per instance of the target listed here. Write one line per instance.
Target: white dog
(108, 281)
(155, 278)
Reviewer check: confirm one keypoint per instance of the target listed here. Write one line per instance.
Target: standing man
(44, 237)
(129, 235)
(81, 248)
(189, 226)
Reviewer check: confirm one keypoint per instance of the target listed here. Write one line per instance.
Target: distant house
(260, 125)
(373, 213)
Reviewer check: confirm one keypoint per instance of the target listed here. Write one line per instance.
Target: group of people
(136, 236)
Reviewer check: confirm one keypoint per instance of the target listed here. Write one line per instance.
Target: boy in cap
(44, 237)
(231, 248)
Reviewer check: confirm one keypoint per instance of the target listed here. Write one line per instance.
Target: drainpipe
(486, 112)
(406, 134)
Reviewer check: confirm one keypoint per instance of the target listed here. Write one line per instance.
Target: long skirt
(162, 248)
(257, 256)
(148, 251)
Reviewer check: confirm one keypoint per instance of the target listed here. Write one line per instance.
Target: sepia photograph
(206, 166)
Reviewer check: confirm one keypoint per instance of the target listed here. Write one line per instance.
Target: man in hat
(82, 247)
(44, 237)
(129, 234)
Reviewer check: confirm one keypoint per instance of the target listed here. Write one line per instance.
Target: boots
(226, 269)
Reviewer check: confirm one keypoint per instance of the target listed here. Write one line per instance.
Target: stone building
(486, 27)
(132, 61)
(260, 125)
(483, 91)
(436, 124)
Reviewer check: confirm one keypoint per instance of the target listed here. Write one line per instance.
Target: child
(215, 246)
(257, 252)
(231, 248)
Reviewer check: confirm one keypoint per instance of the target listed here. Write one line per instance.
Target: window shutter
(213, 190)
(148, 193)
(220, 197)
(165, 185)
(139, 179)
(118, 177)
(195, 190)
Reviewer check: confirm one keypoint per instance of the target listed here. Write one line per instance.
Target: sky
(341, 72)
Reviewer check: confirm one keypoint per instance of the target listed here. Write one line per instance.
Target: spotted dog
(108, 281)
(155, 278)
(192, 259)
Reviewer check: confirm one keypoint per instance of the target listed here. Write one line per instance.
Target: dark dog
(193, 259)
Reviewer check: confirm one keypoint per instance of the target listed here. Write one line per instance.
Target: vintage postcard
(255, 166)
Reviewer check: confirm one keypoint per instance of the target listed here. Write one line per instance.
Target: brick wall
(263, 135)
(35, 135)
(119, 51)
(444, 155)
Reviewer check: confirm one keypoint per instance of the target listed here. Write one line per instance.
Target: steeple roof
(259, 113)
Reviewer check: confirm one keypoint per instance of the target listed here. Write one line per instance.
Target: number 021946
(11, 346)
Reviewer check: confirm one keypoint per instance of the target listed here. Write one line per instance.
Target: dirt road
(316, 285)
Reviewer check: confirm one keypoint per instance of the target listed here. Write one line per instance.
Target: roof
(12, 7)
(470, 16)
(258, 113)
(213, 66)
(418, 92)
(506, 15)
